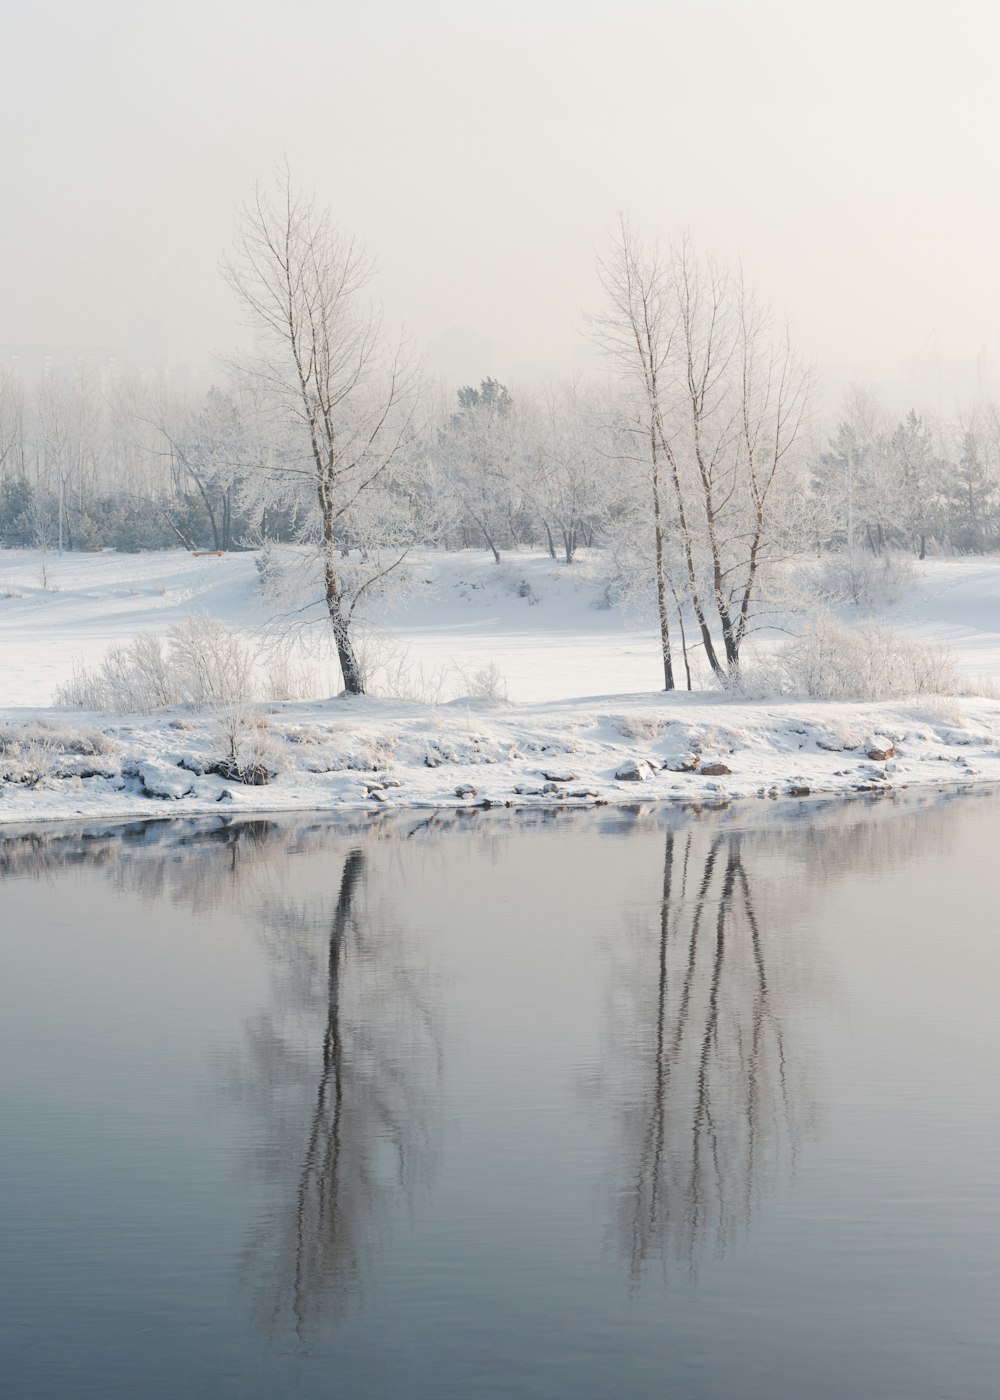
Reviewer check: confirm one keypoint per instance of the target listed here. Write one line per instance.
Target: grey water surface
(595, 1104)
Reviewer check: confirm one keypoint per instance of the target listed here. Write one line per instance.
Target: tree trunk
(661, 576)
(489, 540)
(346, 655)
(684, 645)
(699, 611)
(350, 669)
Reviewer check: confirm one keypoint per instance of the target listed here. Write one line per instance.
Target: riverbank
(361, 753)
(533, 631)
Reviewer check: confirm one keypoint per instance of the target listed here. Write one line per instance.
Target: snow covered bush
(79, 740)
(943, 710)
(200, 663)
(129, 680)
(829, 661)
(833, 662)
(32, 753)
(867, 581)
(639, 724)
(269, 569)
(211, 664)
(288, 676)
(27, 758)
(389, 670)
(488, 683)
(246, 751)
(522, 587)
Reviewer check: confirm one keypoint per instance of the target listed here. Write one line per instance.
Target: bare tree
(568, 486)
(773, 393)
(637, 331)
(325, 369)
(723, 406)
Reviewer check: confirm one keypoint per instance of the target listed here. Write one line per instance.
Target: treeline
(91, 463)
(127, 466)
(918, 484)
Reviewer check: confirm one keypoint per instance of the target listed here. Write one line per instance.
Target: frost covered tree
(884, 486)
(637, 331)
(568, 484)
(919, 474)
(338, 396)
(973, 484)
(722, 404)
(853, 476)
(16, 496)
(482, 457)
(742, 406)
(214, 452)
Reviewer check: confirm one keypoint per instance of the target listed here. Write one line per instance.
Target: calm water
(602, 1104)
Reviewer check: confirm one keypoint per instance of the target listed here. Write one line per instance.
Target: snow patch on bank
(357, 753)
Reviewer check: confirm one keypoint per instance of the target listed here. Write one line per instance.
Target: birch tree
(328, 373)
(637, 331)
(723, 405)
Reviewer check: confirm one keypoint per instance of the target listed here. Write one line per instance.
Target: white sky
(846, 151)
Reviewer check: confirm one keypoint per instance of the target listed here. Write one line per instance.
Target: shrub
(129, 680)
(390, 671)
(867, 581)
(201, 663)
(247, 752)
(27, 757)
(639, 724)
(211, 665)
(833, 662)
(488, 683)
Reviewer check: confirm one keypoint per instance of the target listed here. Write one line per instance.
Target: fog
(841, 152)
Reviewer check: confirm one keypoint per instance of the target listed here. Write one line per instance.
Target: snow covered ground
(583, 683)
(535, 620)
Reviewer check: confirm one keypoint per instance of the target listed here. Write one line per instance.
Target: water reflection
(705, 1093)
(707, 1062)
(341, 1069)
(340, 1066)
(711, 1107)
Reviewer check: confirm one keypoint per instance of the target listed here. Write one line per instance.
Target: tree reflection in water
(323, 1229)
(713, 1107)
(713, 1099)
(342, 1068)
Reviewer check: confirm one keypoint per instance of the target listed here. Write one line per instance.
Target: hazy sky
(845, 151)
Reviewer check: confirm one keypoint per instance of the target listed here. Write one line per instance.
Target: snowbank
(359, 753)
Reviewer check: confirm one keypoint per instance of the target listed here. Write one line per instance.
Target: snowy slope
(536, 621)
(542, 624)
(58, 609)
(957, 602)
